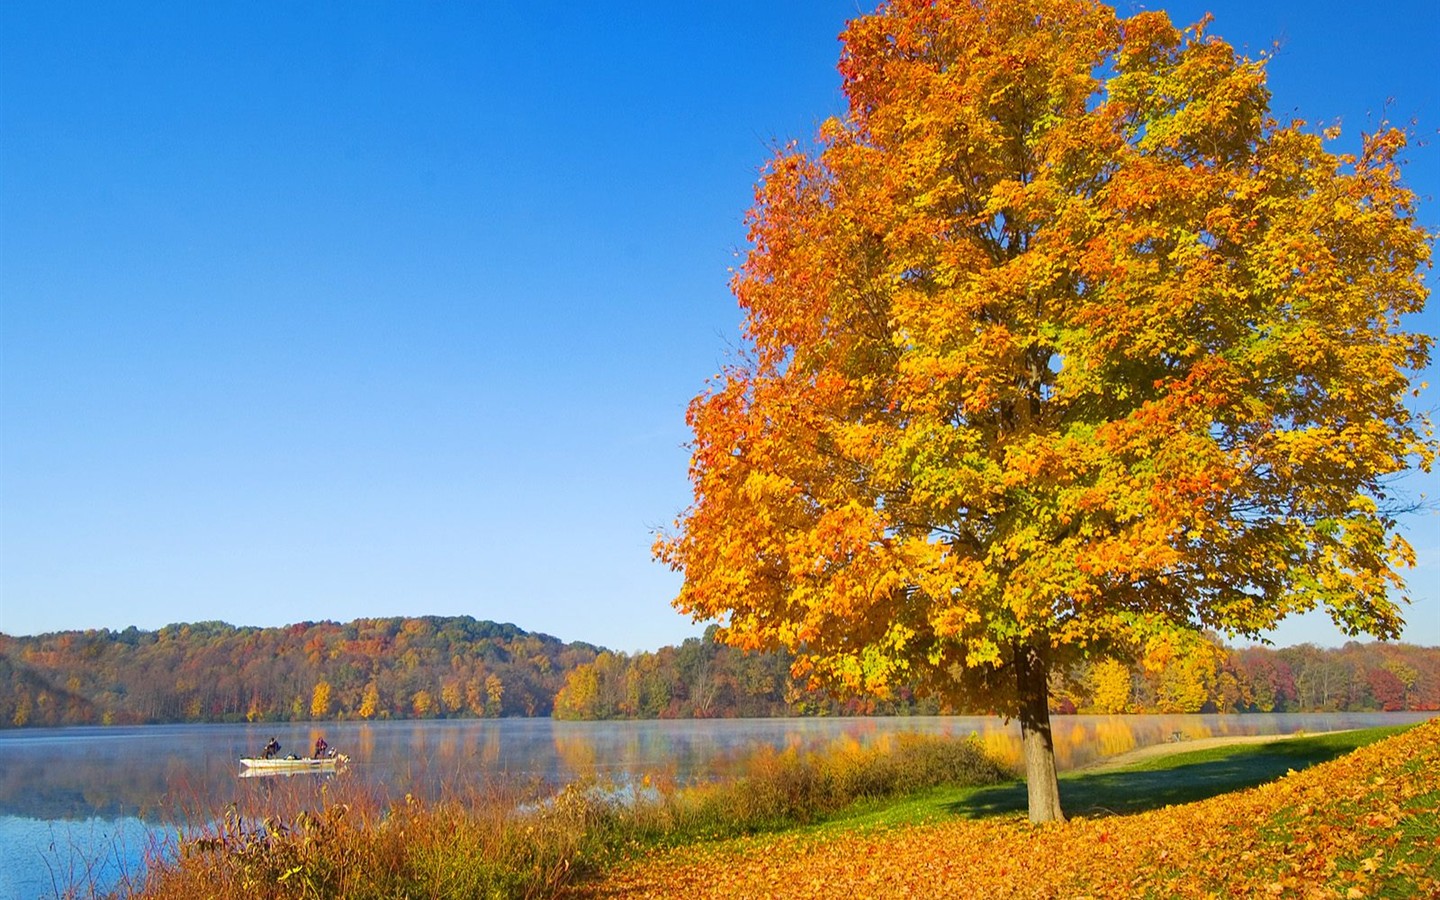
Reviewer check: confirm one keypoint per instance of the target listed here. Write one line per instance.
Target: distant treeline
(701, 678)
(434, 667)
(1211, 677)
(399, 668)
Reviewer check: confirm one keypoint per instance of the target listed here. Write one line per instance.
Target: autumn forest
(436, 667)
(1070, 364)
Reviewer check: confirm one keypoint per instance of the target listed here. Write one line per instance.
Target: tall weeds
(782, 788)
(513, 843)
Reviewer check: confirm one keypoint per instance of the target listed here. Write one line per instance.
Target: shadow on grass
(1182, 778)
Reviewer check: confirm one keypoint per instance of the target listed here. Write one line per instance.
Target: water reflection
(154, 773)
(161, 776)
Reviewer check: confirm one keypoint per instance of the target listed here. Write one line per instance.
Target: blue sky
(319, 311)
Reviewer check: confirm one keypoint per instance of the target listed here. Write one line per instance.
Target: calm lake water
(82, 806)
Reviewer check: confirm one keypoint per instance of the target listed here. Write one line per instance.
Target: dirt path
(1124, 759)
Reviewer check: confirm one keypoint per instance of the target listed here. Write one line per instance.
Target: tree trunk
(1035, 740)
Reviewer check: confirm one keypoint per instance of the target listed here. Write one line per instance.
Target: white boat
(259, 765)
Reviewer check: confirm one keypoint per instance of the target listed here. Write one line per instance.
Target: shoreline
(1121, 760)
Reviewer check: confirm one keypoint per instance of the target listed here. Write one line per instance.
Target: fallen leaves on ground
(1367, 824)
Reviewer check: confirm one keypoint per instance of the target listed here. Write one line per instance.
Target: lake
(81, 806)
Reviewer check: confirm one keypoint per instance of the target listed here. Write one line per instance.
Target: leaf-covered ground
(1364, 825)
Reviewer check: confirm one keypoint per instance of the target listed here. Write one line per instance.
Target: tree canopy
(1057, 343)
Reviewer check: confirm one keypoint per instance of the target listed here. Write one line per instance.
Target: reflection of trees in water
(98, 783)
(490, 750)
(364, 742)
(419, 742)
(161, 775)
(578, 756)
(619, 753)
(447, 752)
(158, 775)
(1112, 736)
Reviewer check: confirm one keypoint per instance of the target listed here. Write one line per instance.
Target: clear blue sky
(318, 311)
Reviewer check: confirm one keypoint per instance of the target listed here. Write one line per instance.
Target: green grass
(1182, 777)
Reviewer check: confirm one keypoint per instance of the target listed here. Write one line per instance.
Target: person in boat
(271, 749)
(321, 748)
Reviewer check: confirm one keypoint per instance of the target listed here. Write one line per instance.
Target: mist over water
(82, 806)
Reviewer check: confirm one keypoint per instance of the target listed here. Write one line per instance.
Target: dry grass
(515, 844)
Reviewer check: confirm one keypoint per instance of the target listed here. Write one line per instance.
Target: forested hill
(431, 667)
(214, 672)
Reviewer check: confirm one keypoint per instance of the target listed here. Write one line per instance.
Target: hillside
(433, 667)
(214, 672)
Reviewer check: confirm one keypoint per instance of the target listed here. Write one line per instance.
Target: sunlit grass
(1181, 777)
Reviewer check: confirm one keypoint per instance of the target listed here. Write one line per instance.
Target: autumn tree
(452, 696)
(1057, 342)
(1110, 685)
(321, 700)
(370, 701)
(494, 693)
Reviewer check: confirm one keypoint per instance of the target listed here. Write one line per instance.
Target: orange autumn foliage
(1058, 343)
(1363, 825)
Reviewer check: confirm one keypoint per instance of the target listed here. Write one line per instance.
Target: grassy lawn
(1181, 777)
(1360, 817)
